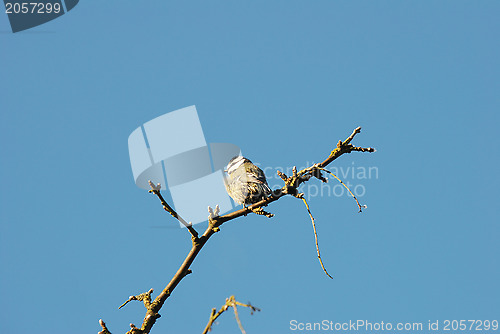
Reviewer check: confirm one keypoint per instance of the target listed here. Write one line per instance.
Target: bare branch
(315, 235)
(235, 308)
(213, 316)
(350, 192)
(351, 137)
(250, 306)
(156, 190)
(290, 188)
(345, 147)
(230, 302)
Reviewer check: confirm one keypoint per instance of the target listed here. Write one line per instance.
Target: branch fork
(215, 221)
(230, 302)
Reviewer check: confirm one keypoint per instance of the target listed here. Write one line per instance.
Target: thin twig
(250, 306)
(230, 302)
(213, 317)
(345, 147)
(350, 192)
(156, 190)
(235, 308)
(143, 297)
(315, 236)
(127, 301)
(351, 137)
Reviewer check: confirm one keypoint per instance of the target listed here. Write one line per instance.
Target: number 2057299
(32, 8)
(470, 325)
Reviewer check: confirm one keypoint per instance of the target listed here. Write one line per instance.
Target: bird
(245, 182)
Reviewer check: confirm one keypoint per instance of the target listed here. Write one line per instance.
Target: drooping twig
(290, 188)
(236, 315)
(350, 192)
(230, 302)
(315, 235)
(305, 175)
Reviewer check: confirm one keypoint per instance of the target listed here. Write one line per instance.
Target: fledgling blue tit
(245, 182)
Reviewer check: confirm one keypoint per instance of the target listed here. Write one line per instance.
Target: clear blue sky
(284, 80)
